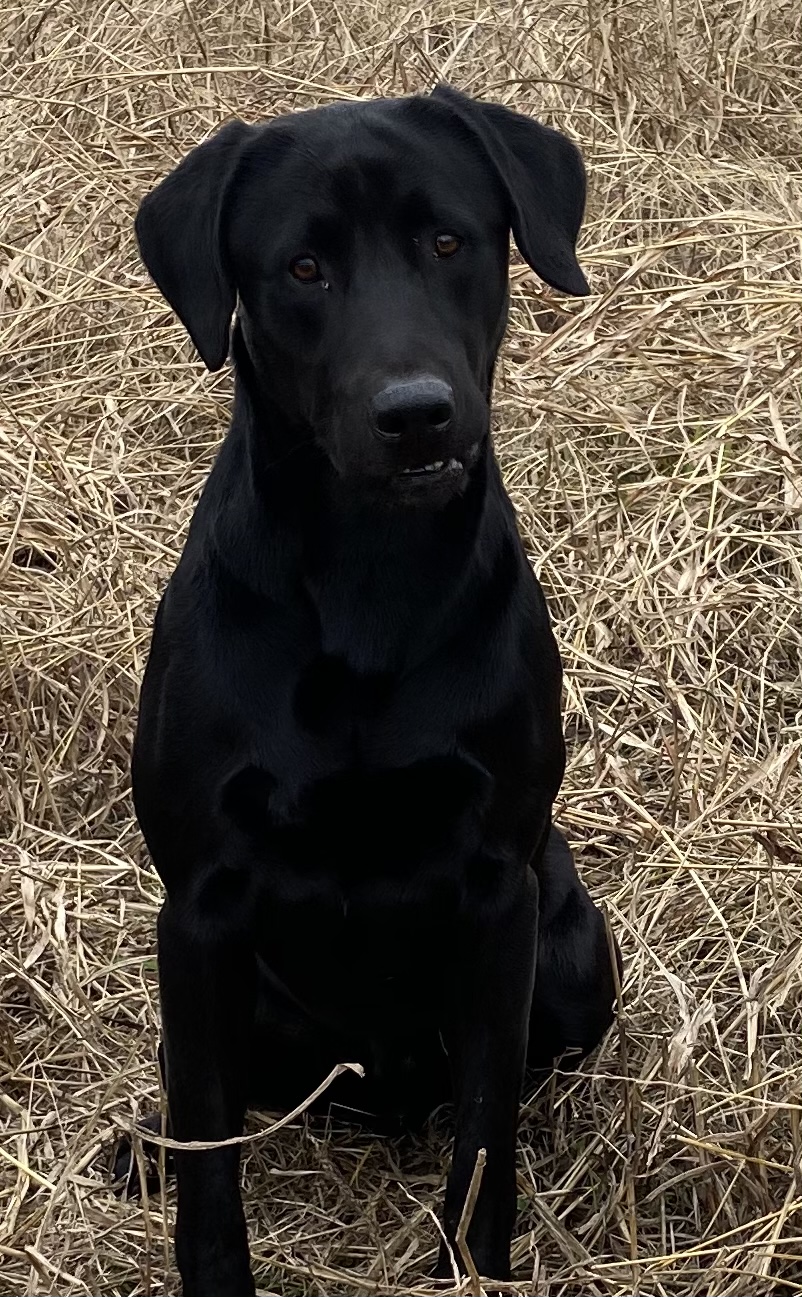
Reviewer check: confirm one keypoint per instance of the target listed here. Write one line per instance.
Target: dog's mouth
(438, 468)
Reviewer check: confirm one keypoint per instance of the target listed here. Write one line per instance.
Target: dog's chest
(362, 878)
(377, 810)
(362, 862)
(353, 772)
(356, 822)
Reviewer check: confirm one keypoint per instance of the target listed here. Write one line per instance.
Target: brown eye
(305, 270)
(445, 245)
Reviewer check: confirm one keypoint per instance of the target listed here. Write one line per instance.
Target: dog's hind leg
(574, 995)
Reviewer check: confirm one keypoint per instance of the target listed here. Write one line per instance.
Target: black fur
(349, 738)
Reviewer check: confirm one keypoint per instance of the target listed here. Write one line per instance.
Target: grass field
(651, 445)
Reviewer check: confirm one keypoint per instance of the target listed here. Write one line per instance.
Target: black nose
(414, 405)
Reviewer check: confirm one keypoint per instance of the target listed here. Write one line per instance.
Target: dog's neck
(384, 581)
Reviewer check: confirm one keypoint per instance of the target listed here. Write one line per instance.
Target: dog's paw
(125, 1166)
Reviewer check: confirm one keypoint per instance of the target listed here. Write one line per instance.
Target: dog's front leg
(485, 1032)
(208, 997)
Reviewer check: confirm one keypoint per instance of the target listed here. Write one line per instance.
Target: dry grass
(652, 447)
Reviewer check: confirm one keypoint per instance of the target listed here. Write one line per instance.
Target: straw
(650, 439)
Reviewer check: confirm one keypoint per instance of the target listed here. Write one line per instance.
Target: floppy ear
(178, 229)
(543, 174)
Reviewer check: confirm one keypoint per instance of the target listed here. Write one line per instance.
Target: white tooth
(433, 468)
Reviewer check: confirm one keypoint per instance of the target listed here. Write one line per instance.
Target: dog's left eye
(445, 245)
(305, 269)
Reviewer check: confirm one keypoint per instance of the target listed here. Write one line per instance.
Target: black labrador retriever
(349, 739)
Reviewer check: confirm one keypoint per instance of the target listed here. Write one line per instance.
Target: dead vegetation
(651, 444)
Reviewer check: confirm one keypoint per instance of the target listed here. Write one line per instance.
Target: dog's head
(366, 246)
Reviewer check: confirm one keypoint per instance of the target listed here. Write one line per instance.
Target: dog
(349, 738)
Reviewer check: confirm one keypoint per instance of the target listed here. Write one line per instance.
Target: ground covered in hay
(651, 446)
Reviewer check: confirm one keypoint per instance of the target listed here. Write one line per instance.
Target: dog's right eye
(445, 245)
(305, 270)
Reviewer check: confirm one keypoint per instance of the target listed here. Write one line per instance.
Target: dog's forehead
(347, 128)
(353, 153)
